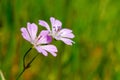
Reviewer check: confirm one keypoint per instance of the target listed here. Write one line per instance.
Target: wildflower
(40, 43)
(57, 32)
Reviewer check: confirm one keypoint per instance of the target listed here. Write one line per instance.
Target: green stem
(20, 74)
(26, 66)
(25, 56)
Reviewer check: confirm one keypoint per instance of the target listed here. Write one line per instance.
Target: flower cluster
(42, 42)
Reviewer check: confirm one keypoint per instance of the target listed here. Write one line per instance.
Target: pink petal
(40, 50)
(44, 32)
(65, 30)
(25, 34)
(44, 24)
(52, 20)
(67, 41)
(67, 35)
(32, 28)
(50, 48)
(44, 37)
(56, 24)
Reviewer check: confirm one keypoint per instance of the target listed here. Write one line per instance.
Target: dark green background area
(94, 56)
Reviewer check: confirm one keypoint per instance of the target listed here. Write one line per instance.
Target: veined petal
(52, 20)
(56, 24)
(32, 29)
(67, 41)
(44, 24)
(50, 48)
(44, 37)
(65, 30)
(40, 50)
(25, 34)
(66, 35)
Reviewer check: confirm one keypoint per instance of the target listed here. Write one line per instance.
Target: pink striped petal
(44, 38)
(40, 50)
(50, 48)
(67, 35)
(25, 34)
(67, 41)
(65, 30)
(44, 24)
(32, 29)
(52, 20)
(56, 24)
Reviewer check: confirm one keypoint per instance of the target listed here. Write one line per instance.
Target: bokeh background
(94, 56)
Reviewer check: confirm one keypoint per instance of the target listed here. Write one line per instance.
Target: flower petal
(40, 50)
(44, 24)
(67, 41)
(44, 37)
(32, 29)
(67, 35)
(52, 20)
(64, 33)
(56, 24)
(25, 34)
(65, 30)
(50, 48)
(70, 35)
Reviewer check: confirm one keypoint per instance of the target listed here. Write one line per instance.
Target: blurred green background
(94, 56)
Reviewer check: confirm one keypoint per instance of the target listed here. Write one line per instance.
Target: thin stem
(25, 56)
(26, 67)
(20, 74)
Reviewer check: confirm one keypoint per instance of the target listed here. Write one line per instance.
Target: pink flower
(40, 43)
(57, 32)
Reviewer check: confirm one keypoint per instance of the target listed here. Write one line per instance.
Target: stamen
(59, 28)
(54, 28)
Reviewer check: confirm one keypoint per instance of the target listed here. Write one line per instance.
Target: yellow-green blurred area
(94, 56)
